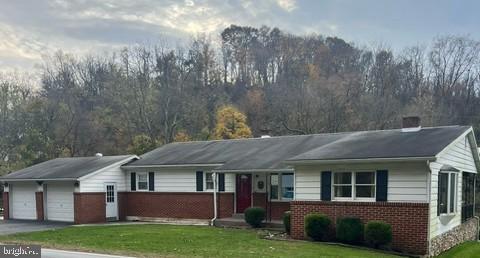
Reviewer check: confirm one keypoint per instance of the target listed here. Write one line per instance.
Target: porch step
(239, 216)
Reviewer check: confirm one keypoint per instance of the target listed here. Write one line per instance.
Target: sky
(33, 29)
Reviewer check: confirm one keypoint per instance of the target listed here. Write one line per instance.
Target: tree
(231, 124)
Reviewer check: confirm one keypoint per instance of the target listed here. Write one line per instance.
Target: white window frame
(353, 185)
(207, 175)
(279, 191)
(455, 192)
(138, 181)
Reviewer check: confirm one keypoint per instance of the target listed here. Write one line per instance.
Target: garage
(23, 205)
(59, 201)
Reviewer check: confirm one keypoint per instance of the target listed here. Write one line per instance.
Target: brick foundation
(6, 210)
(275, 209)
(39, 204)
(409, 220)
(89, 208)
(195, 205)
(467, 231)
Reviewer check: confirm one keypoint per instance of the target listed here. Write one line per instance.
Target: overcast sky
(30, 28)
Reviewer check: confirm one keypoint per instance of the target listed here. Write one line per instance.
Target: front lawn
(469, 249)
(181, 241)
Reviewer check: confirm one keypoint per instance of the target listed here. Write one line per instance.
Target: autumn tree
(231, 124)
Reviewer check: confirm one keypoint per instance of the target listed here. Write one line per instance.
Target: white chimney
(265, 136)
(98, 154)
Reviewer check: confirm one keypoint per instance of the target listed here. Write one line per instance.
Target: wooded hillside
(145, 96)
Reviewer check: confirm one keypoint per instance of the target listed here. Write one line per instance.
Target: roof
(66, 168)
(275, 152)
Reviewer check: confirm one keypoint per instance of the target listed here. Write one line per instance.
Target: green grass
(181, 241)
(469, 249)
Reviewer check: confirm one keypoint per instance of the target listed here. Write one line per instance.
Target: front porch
(238, 221)
(271, 190)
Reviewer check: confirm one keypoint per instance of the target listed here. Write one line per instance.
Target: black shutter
(326, 186)
(199, 181)
(221, 182)
(382, 185)
(133, 181)
(151, 181)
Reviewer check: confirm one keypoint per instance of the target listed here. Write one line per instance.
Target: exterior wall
(40, 209)
(458, 155)
(95, 182)
(407, 182)
(409, 220)
(275, 209)
(89, 208)
(180, 180)
(6, 202)
(175, 205)
(467, 231)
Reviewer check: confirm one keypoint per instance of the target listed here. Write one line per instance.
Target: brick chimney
(411, 124)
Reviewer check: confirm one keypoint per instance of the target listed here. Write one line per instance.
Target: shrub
(286, 221)
(378, 233)
(349, 230)
(254, 216)
(316, 226)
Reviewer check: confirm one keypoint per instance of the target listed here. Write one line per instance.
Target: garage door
(59, 201)
(23, 201)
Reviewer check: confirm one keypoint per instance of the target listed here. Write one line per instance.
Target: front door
(111, 201)
(243, 192)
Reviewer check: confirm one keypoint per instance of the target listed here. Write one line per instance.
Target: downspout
(212, 221)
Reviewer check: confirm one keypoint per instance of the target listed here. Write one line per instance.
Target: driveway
(18, 226)
(52, 253)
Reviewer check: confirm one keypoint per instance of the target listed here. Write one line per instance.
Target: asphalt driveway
(18, 226)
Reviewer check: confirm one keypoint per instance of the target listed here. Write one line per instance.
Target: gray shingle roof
(271, 153)
(65, 168)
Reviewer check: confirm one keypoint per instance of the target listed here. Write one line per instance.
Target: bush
(378, 233)
(349, 230)
(316, 226)
(254, 216)
(286, 221)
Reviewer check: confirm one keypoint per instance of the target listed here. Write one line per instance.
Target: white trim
(246, 171)
(366, 160)
(127, 167)
(455, 192)
(36, 179)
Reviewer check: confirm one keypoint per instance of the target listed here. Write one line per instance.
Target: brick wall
(409, 220)
(89, 208)
(197, 205)
(6, 211)
(39, 204)
(274, 209)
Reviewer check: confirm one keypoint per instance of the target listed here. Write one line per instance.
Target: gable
(460, 155)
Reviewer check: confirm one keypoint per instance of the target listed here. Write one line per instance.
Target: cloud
(287, 5)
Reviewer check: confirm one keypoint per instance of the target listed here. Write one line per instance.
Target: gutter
(212, 221)
(36, 179)
(366, 160)
(171, 166)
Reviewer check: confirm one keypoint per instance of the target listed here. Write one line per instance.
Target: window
(447, 193)
(468, 195)
(209, 181)
(142, 181)
(354, 185)
(281, 186)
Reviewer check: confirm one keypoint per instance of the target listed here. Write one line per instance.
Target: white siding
(407, 182)
(179, 180)
(460, 156)
(96, 183)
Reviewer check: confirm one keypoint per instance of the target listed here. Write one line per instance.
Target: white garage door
(59, 201)
(23, 201)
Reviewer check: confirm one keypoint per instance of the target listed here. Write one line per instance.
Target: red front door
(244, 192)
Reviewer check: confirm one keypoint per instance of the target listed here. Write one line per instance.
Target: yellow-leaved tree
(231, 124)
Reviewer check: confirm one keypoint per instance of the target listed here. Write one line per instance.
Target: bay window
(354, 185)
(447, 193)
(281, 186)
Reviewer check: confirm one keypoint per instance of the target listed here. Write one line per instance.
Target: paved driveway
(18, 226)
